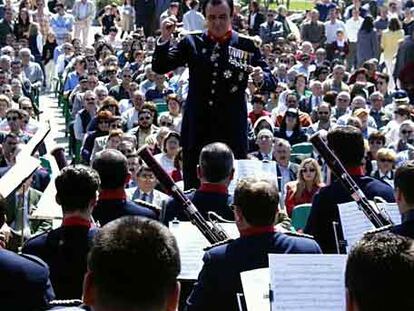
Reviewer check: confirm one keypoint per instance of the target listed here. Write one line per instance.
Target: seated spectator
(170, 146)
(145, 127)
(264, 141)
(406, 134)
(376, 141)
(174, 110)
(286, 170)
(386, 165)
(177, 173)
(292, 102)
(363, 114)
(324, 120)
(372, 282)
(290, 128)
(159, 91)
(307, 183)
(258, 103)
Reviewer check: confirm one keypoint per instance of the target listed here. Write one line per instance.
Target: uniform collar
(213, 188)
(356, 171)
(222, 39)
(257, 230)
(407, 216)
(112, 194)
(77, 221)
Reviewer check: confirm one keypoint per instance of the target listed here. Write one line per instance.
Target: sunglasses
(144, 118)
(386, 160)
(115, 126)
(27, 108)
(405, 132)
(147, 176)
(292, 101)
(323, 112)
(12, 118)
(292, 115)
(376, 142)
(310, 170)
(165, 123)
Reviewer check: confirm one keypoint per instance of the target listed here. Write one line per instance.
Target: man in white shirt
(352, 27)
(84, 12)
(193, 20)
(130, 117)
(331, 27)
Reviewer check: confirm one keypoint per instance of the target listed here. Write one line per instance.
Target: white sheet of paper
(17, 174)
(191, 244)
(354, 223)
(252, 168)
(307, 282)
(392, 210)
(256, 289)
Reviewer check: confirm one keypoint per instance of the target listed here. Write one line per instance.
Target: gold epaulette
(256, 39)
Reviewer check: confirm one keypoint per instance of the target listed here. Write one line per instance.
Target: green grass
(295, 5)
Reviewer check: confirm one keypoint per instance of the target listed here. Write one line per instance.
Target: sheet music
(392, 210)
(17, 174)
(307, 282)
(256, 289)
(191, 244)
(252, 168)
(354, 223)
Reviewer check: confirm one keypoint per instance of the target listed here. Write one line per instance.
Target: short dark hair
(112, 167)
(216, 162)
(134, 263)
(169, 135)
(76, 186)
(347, 143)
(378, 271)
(258, 200)
(218, 2)
(377, 136)
(404, 179)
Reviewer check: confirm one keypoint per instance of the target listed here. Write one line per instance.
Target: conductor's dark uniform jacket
(219, 280)
(215, 109)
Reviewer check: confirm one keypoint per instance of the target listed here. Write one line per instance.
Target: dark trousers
(190, 161)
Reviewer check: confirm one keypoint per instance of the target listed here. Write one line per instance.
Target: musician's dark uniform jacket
(215, 109)
(406, 228)
(207, 198)
(24, 282)
(324, 208)
(65, 250)
(219, 280)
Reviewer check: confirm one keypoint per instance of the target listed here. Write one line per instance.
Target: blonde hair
(299, 184)
(386, 153)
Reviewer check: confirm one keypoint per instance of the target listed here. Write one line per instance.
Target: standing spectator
(84, 12)
(367, 46)
(256, 18)
(389, 43)
(352, 27)
(172, 11)
(127, 17)
(193, 20)
(340, 47)
(382, 21)
(408, 21)
(282, 18)
(47, 59)
(331, 28)
(325, 8)
(307, 183)
(41, 16)
(6, 26)
(314, 30)
(146, 16)
(108, 19)
(61, 23)
(271, 29)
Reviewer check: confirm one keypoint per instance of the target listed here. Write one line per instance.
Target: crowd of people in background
(339, 64)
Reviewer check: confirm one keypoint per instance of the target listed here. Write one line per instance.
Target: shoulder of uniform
(255, 39)
(218, 244)
(34, 259)
(299, 235)
(38, 236)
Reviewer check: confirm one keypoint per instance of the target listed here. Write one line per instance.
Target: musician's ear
(127, 178)
(199, 172)
(351, 304)
(398, 195)
(231, 175)
(57, 199)
(88, 295)
(174, 298)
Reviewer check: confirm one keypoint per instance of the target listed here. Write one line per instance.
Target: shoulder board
(379, 230)
(256, 39)
(218, 244)
(299, 235)
(34, 259)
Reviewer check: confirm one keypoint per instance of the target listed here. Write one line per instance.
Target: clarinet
(213, 233)
(377, 217)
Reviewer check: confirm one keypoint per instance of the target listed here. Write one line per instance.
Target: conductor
(220, 62)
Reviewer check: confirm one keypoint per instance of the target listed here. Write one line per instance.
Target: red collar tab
(216, 188)
(222, 39)
(257, 230)
(356, 171)
(112, 194)
(75, 221)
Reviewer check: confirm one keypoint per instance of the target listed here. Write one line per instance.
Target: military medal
(241, 76)
(227, 74)
(234, 89)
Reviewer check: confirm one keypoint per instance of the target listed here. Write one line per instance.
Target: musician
(112, 167)
(220, 62)
(65, 249)
(255, 210)
(347, 143)
(378, 273)
(25, 283)
(133, 265)
(215, 171)
(404, 196)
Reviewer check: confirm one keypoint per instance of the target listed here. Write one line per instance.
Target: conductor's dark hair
(379, 270)
(257, 200)
(134, 263)
(76, 186)
(112, 167)
(404, 180)
(347, 143)
(216, 162)
(218, 2)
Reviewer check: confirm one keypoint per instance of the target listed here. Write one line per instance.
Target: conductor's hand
(5, 234)
(167, 28)
(257, 74)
